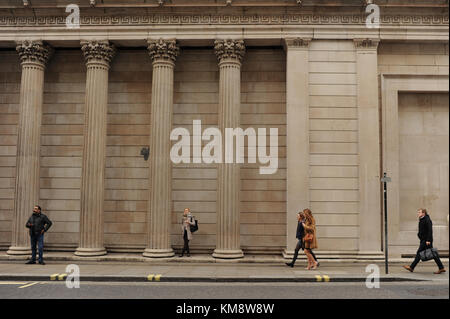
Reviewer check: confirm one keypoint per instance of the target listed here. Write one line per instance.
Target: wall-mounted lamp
(145, 151)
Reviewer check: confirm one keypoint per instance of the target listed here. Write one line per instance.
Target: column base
(18, 250)
(228, 253)
(90, 252)
(158, 253)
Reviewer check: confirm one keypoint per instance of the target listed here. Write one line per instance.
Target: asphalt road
(324, 290)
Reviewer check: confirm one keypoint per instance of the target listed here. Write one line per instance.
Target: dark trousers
(186, 243)
(39, 241)
(297, 248)
(422, 247)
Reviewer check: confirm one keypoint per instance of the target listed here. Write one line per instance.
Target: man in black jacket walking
(425, 235)
(38, 224)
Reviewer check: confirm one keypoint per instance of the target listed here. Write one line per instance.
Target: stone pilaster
(369, 146)
(297, 137)
(97, 55)
(163, 54)
(34, 55)
(230, 54)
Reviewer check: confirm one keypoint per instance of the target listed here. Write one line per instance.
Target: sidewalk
(118, 268)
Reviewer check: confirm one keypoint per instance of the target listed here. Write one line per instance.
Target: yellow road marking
(31, 284)
(318, 278)
(157, 277)
(53, 277)
(150, 277)
(326, 278)
(62, 276)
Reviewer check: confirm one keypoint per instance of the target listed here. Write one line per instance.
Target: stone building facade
(78, 106)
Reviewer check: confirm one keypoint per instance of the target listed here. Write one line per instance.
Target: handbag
(428, 254)
(194, 228)
(309, 237)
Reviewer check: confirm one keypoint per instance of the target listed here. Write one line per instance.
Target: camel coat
(187, 227)
(310, 229)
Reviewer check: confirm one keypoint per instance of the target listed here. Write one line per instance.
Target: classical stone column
(297, 136)
(98, 55)
(34, 56)
(369, 146)
(230, 54)
(163, 54)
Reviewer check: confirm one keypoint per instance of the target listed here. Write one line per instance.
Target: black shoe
(181, 255)
(41, 263)
(30, 262)
(290, 265)
(188, 254)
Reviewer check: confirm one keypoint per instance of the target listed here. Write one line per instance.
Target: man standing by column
(38, 224)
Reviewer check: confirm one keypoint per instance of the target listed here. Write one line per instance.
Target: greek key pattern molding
(308, 19)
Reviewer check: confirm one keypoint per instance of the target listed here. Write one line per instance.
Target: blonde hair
(308, 216)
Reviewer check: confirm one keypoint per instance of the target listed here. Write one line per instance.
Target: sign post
(385, 180)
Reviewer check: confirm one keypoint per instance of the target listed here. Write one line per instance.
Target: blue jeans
(39, 240)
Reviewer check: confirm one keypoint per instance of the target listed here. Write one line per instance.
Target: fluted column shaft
(34, 56)
(230, 54)
(98, 55)
(163, 54)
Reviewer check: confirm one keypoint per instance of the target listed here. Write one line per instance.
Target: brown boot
(439, 271)
(408, 268)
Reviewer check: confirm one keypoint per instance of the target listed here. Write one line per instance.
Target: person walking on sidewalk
(310, 239)
(425, 235)
(299, 235)
(38, 224)
(186, 224)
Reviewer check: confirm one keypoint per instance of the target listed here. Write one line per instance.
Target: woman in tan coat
(310, 238)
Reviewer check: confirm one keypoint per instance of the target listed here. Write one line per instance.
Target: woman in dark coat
(299, 236)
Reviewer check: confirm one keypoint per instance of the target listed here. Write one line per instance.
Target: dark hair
(39, 207)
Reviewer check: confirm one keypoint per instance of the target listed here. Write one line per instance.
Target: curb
(204, 279)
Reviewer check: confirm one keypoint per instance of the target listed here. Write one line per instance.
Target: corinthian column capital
(163, 50)
(229, 50)
(34, 52)
(98, 52)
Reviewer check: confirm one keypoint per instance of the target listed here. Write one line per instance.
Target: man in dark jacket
(425, 235)
(38, 224)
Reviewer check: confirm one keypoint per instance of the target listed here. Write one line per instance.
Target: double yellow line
(58, 276)
(153, 276)
(324, 277)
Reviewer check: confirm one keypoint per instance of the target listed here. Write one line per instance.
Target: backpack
(194, 228)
